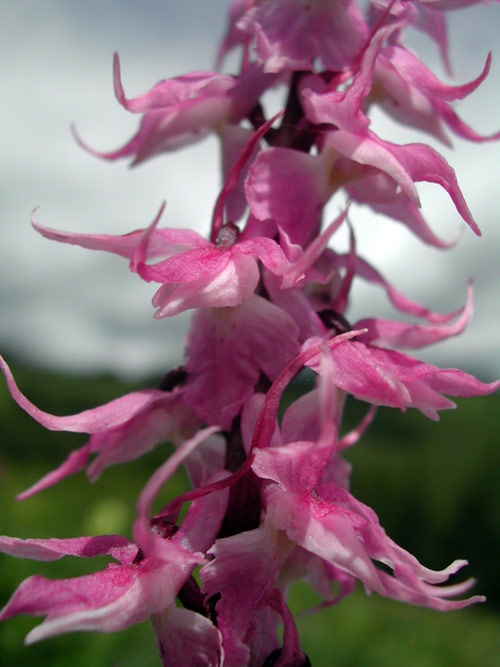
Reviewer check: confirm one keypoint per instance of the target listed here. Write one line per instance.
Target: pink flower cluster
(270, 500)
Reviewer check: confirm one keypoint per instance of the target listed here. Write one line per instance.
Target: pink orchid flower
(270, 499)
(373, 171)
(388, 377)
(121, 430)
(229, 349)
(303, 498)
(412, 94)
(293, 35)
(185, 109)
(427, 17)
(193, 272)
(327, 521)
(146, 580)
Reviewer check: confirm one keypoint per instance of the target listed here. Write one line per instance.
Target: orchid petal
(246, 336)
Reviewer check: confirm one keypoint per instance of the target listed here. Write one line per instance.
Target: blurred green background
(435, 487)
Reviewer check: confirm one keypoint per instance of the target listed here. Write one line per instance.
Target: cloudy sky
(74, 309)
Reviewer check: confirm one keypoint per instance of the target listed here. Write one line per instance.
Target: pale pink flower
(347, 158)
